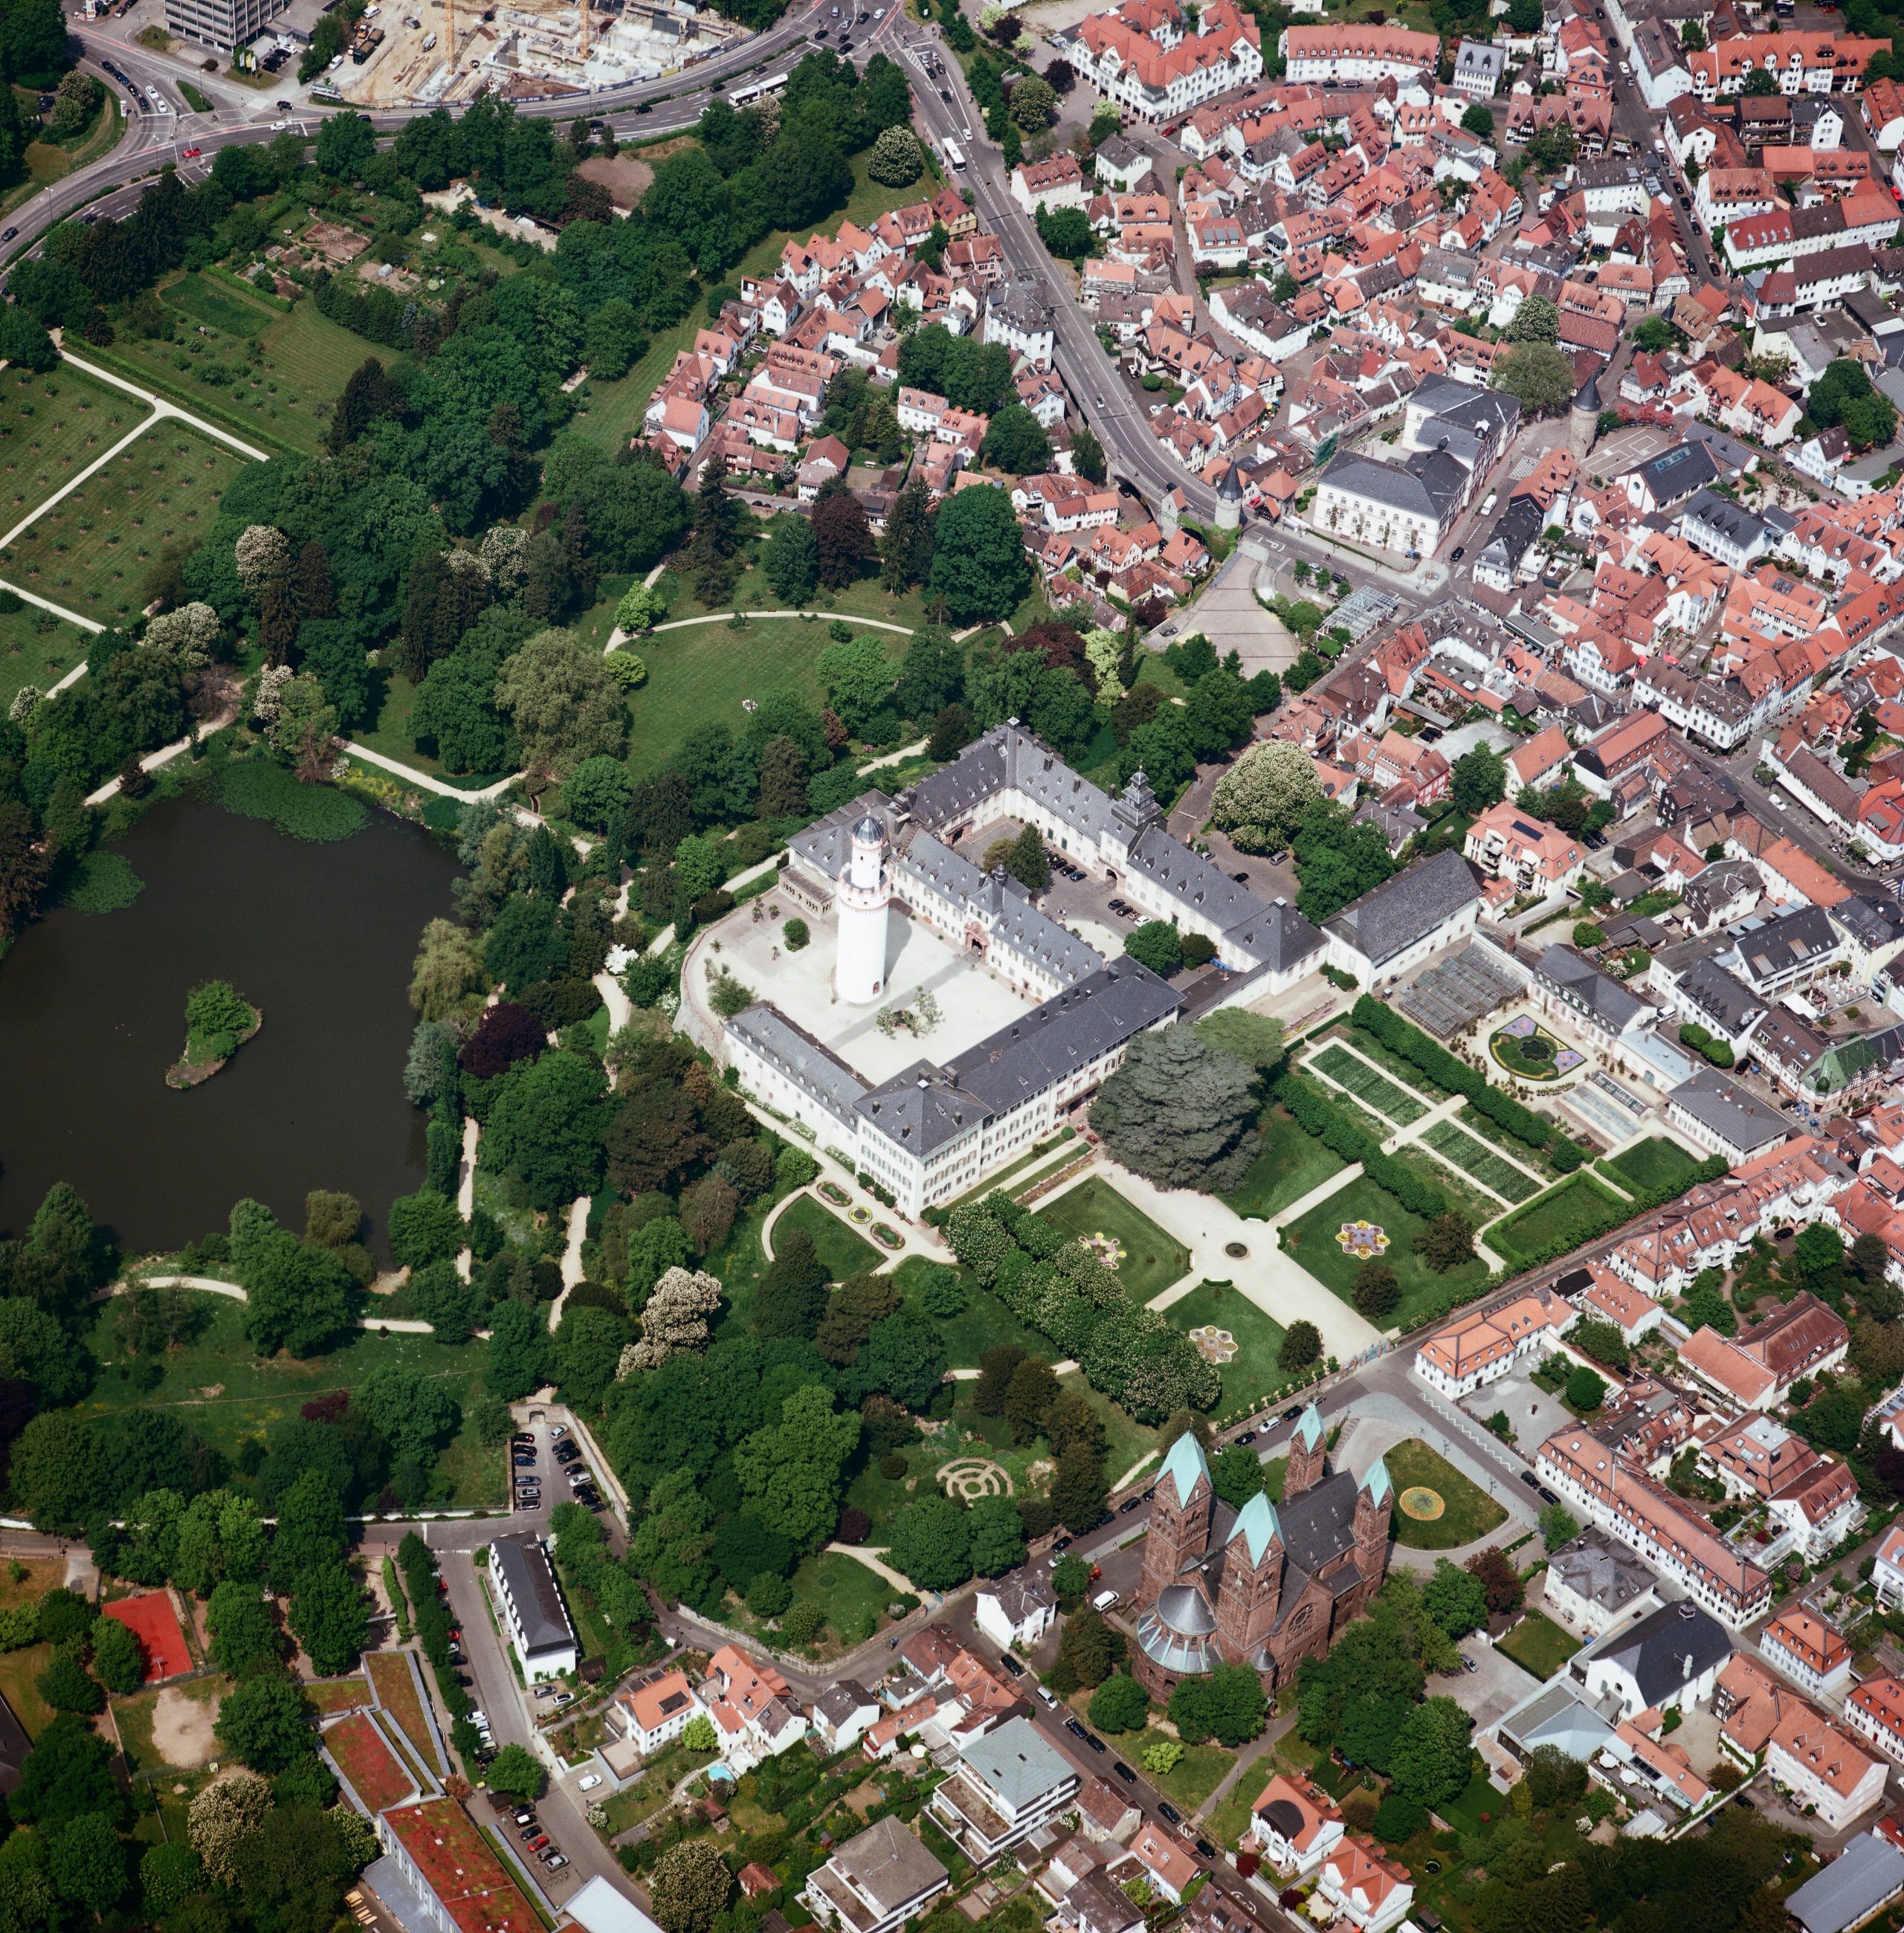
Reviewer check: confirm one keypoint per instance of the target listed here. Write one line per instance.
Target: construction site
(440, 50)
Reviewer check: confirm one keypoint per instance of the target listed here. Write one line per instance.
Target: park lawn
(391, 736)
(1538, 1645)
(984, 1323)
(51, 428)
(853, 1598)
(614, 410)
(18, 1670)
(1292, 1162)
(1251, 1377)
(841, 1252)
(30, 655)
(703, 673)
(91, 551)
(1195, 1776)
(302, 361)
(1657, 1163)
(1312, 1241)
(1468, 1513)
(1152, 1260)
(1571, 1213)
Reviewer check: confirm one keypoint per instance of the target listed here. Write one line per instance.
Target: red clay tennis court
(157, 1625)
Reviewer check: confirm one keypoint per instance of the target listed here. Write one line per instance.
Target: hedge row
(1314, 1116)
(1445, 1070)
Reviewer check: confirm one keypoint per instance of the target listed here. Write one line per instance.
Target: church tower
(1370, 1526)
(1252, 1587)
(1307, 1451)
(866, 891)
(1180, 1517)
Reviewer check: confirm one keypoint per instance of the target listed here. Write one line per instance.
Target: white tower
(859, 971)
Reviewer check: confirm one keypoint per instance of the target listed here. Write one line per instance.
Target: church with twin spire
(1267, 1585)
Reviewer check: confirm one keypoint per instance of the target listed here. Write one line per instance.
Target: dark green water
(92, 1013)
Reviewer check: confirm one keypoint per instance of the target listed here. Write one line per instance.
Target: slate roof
(1663, 1650)
(1408, 908)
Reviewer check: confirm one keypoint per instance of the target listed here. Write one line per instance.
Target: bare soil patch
(181, 1727)
(625, 178)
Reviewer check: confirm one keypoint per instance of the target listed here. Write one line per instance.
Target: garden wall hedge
(1314, 1116)
(1445, 1070)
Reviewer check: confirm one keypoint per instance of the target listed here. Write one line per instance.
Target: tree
(896, 160)
(1302, 1345)
(222, 1816)
(1537, 374)
(979, 569)
(1454, 1600)
(330, 1616)
(1377, 1290)
(689, 1886)
(1179, 1112)
(1091, 1647)
(1501, 1584)
(516, 1773)
(1446, 1243)
(1430, 1763)
(1119, 1704)
(1585, 1390)
(1016, 443)
(563, 703)
(1537, 320)
(1155, 944)
(1265, 795)
(266, 1722)
(1479, 122)
(791, 1470)
(790, 558)
(117, 1656)
(1479, 779)
(931, 1540)
(843, 540)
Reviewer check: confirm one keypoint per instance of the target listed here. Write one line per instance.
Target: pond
(320, 937)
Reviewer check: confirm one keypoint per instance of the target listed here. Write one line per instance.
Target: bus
(955, 156)
(755, 90)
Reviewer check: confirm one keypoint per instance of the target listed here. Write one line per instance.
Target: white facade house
(1018, 1609)
(537, 1619)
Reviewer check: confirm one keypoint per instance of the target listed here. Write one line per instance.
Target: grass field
(1468, 1512)
(1539, 1645)
(1152, 1260)
(52, 427)
(1658, 1163)
(92, 550)
(841, 1252)
(1291, 1162)
(300, 362)
(1252, 1374)
(984, 1321)
(224, 1391)
(31, 656)
(1460, 1150)
(1571, 1213)
(1312, 1243)
(1375, 1090)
